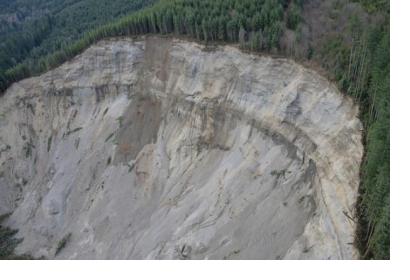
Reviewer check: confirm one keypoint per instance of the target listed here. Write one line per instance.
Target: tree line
(360, 66)
(30, 30)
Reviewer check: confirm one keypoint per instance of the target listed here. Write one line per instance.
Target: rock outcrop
(165, 149)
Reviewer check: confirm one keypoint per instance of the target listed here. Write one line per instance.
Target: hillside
(347, 41)
(151, 149)
(30, 29)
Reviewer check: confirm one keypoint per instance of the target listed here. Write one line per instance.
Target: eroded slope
(162, 148)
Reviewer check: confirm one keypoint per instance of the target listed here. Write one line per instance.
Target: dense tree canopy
(31, 29)
(353, 50)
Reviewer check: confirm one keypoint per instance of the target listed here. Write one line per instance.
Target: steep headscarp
(161, 148)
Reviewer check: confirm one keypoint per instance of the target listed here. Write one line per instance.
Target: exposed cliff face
(161, 148)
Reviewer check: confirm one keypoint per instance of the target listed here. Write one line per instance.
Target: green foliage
(294, 16)
(362, 68)
(8, 242)
(357, 59)
(32, 29)
(375, 5)
(261, 24)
